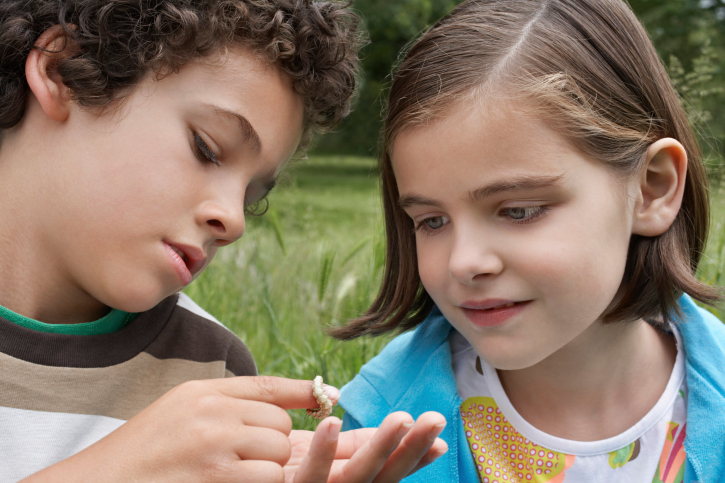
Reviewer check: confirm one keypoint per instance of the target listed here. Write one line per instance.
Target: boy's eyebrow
(248, 133)
(519, 183)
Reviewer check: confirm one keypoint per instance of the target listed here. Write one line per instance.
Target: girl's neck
(597, 386)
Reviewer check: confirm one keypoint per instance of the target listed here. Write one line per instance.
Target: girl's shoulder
(703, 337)
(408, 353)
(703, 334)
(388, 382)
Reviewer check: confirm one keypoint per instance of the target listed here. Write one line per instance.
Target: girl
(134, 136)
(546, 208)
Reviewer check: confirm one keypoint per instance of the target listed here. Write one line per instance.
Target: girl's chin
(513, 360)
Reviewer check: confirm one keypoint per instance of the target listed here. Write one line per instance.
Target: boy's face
(522, 239)
(136, 206)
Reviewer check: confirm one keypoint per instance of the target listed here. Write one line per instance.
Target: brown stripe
(86, 351)
(119, 391)
(193, 337)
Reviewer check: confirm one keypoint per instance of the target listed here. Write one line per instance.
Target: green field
(315, 259)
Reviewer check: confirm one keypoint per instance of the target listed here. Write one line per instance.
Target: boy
(135, 135)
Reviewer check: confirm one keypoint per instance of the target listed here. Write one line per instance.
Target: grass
(315, 259)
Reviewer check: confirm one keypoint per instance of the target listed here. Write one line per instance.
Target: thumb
(280, 391)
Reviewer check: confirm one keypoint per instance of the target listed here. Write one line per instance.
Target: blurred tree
(690, 37)
(690, 31)
(391, 25)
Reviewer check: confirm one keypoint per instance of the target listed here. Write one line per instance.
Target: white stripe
(186, 302)
(33, 440)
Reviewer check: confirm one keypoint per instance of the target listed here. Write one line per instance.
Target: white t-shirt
(507, 449)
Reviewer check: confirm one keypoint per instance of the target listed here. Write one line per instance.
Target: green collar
(107, 324)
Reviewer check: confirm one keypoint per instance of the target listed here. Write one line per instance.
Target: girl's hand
(386, 454)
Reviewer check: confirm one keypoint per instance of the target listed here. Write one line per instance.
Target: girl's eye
(521, 214)
(203, 152)
(432, 224)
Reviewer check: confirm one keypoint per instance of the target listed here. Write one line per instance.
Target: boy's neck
(31, 282)
(597, 386)
(52, 306)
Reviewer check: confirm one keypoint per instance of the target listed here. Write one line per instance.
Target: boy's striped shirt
(60, 393)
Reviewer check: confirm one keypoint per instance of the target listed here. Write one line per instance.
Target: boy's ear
(661, 186)
(42, 76)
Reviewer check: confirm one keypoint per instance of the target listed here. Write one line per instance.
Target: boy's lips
(187, 259)
(492, 312)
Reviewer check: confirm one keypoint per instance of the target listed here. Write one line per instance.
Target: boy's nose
(473, 257)
(226, 224)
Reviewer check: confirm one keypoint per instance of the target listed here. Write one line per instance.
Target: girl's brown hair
(117, 42)
(588, 68)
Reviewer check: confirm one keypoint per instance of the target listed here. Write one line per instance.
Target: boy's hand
(387, 454)
(218, 430)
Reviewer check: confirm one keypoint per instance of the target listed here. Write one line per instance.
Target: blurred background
(315, 258)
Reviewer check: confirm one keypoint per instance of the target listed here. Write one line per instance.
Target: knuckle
(209, 403)
(285, 450)
(192, 388)
(275, 472)
(285, 422)
(266, 387)
(218, 468)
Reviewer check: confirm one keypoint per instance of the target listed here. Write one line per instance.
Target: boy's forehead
(249, 92)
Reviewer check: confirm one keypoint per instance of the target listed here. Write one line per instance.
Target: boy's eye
(521, 214)
(203, 152)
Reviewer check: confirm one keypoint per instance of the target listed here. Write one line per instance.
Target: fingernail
(332, 392)
(403, 430)
(438, 454)
(436, 431)
(333, 432)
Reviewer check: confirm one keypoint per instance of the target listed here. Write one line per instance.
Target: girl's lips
(492, 313)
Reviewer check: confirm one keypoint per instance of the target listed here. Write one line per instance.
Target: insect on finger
(325, 403)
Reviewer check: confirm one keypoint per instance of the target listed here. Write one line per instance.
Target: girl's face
(521, 238)
(136, 202)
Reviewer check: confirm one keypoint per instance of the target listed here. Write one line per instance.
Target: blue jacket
(413, 374)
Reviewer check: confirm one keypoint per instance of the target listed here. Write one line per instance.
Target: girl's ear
(42, 76)
(661, 186)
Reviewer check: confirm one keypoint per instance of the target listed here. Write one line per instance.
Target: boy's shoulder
(175, 329)
(193, 334)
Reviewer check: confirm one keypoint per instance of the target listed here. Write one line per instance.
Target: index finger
(280, 391)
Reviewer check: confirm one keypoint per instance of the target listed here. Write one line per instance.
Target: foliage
(392, 24)
(697, 89)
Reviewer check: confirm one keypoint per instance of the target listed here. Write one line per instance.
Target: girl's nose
(473, 257)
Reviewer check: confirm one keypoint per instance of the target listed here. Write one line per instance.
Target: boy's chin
(133, 300)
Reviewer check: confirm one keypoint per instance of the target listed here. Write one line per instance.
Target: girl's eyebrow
(519, 183)
(249, 135)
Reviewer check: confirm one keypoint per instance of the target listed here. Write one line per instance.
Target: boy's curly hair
(118, 42)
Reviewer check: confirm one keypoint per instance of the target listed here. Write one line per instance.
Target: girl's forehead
(495, 132)
(501, 145)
